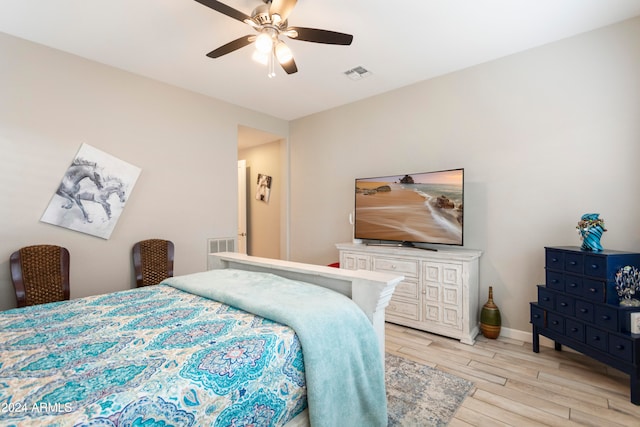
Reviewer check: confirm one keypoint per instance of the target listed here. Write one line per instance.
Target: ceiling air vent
(357, 73)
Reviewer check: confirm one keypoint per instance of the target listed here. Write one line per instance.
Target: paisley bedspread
(150, 356)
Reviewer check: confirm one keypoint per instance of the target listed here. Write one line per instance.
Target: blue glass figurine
(591, 228)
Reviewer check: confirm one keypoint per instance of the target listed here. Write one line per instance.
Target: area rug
(421, 396)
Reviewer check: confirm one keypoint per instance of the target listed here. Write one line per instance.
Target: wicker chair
(40, 274)
(152, 261)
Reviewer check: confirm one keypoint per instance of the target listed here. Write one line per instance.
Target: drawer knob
(620, 347)
(605, 317)
(574, 329)
(572, 262)
(554, 259)
(564, 304)
(554, 281)
(536, 316)
(596, 338)
(572, 285)
(555, 322)
(592, 290)
(594, 266)
(545, 299)
(584, 310)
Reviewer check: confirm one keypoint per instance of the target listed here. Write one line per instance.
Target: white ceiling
(400, 41)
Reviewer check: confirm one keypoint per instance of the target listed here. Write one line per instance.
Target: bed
(249, 342)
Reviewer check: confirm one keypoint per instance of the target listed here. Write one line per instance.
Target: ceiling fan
(270, 21)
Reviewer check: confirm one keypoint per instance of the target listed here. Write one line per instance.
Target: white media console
(439, 293)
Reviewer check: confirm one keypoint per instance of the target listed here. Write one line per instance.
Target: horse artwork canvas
(92, 193)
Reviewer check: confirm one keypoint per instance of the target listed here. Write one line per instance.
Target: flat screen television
(411, 208)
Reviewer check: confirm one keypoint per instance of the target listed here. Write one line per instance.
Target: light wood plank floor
(516, 387)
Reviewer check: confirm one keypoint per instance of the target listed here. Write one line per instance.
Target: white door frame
(242, 206)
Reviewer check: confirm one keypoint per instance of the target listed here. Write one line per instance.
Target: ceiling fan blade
(231, 46)
(290, 67)
(282, 8)
(225, 10)
(318, 36)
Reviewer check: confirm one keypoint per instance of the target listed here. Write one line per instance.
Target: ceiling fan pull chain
(272, 68)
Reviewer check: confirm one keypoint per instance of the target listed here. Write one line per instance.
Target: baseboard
(516, 334)
(526, 337)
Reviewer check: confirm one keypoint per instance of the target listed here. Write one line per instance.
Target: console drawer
(407, 288)
(403, 309)
(394, 265)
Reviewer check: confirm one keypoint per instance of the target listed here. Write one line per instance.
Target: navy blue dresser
(578, 307)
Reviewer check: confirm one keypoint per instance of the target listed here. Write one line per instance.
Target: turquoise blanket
(343, 366)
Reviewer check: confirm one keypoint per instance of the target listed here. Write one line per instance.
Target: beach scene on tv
(425, 207)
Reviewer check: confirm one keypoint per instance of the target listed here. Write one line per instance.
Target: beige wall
(544, 136)
(185, 144)
(264, 218)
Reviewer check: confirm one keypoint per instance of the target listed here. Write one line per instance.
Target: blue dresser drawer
(555, 322)
(595, 266)
(606, 317)
(537, 316)
(555, 280)
(545, 298)
(554, 259)
(574, 262)
(621, 347)
(565, 304)
(584, 311)
(593, 290)
(596, 338)
(574, 330)
(573, 284)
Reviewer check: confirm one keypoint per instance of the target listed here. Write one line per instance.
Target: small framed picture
(635, 322)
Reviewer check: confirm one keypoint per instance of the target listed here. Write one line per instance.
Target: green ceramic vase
(490, 321)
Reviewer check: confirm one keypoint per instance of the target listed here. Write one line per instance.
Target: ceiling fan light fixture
(270, 21)
(283, 53)
(260, 57)
(264, 43)
(290, 32)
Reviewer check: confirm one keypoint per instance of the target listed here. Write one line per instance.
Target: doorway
(262, 153)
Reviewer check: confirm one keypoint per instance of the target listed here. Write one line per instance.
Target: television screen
(414, 208)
